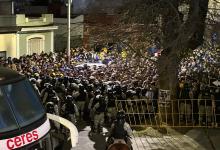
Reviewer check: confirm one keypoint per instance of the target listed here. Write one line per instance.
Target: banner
(164, 98)
(25, 138)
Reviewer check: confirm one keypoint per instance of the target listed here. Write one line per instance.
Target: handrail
(73, 130)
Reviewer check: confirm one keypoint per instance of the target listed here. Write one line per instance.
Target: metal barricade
(174, 113)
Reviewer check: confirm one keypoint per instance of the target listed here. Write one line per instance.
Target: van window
(24, 102)
(7, 120)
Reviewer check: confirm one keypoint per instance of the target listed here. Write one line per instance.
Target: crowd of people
(199, 96)
(79, 92)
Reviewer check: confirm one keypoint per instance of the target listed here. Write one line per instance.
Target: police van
(23, 121)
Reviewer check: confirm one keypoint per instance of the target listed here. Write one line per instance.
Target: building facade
(76, 32)
(21, 35)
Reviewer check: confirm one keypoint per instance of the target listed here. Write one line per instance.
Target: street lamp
(68, 29)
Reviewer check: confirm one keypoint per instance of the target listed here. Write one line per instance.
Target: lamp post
(68, 29)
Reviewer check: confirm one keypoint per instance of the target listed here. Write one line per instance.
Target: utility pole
(68, 29)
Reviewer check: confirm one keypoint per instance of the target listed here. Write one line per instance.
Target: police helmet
(138, 90)
(36, 76)
(100, 97)
(52, 93)
(69, 99)
(85, 82)
(50, 107)
(90, 87)
(48, 85)
(74, 86)
(109, 90)
(33, 80)
(97, 92)
(71, 79)
(124, 88)
(129, 93)
(117, 89)
(54, 81)
(54, 99)
(120, 115)
(60, 80)
(81, 87)
(66, 79)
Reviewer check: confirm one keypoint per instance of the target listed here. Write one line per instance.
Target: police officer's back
(120, 129)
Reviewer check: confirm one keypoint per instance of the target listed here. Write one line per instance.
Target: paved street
(93, 142)
(195, 139)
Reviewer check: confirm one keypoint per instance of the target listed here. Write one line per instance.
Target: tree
(179, 30)
(180, 25)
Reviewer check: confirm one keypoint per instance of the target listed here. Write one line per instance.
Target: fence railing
(175, 113)
(73, 130)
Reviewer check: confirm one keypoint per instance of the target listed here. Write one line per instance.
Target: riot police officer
(185, 103)
(81, 99)
(60, 89)
(120, 129)
(56, 103)
(111, 109)
(34, 83)
(91, 105)
(50, 108)
(99, 114)
(69, 109)
(206, 106)
(47, 93)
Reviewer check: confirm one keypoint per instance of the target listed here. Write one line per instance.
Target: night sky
(80, 5)
(95, 5)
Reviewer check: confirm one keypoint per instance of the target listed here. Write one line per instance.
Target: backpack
(119, 132)
(102, 107)
(70, 108)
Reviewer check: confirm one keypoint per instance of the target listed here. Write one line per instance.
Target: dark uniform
(81, 99)
(70, 110)
(185, 105)
(205, 106)
(217, 102)
(111, 109)
(51, 108)
(120, 129)
(99, 114)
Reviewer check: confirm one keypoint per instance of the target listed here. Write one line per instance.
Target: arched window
(35, 45)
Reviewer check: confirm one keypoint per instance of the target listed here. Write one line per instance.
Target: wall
(35, 10)
(77, 29)
(7, 20)
(8, 43)
(22, 20)
(5, 7)
(45, 19)
(23, 43)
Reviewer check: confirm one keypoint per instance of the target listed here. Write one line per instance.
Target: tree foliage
(180, 26)
(178, 23)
